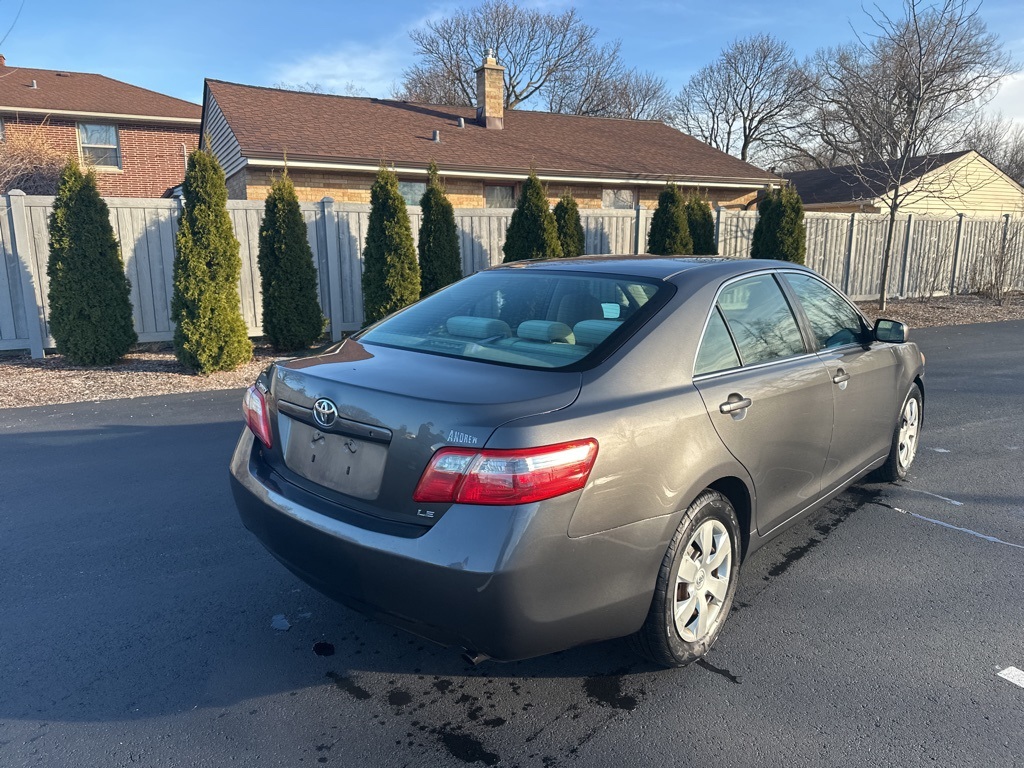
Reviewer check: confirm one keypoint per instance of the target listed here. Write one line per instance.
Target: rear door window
(717, 352)
(761, 320)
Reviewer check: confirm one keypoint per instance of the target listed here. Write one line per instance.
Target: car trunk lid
(358, 425)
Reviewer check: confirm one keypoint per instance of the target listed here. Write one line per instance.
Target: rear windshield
(524, 318)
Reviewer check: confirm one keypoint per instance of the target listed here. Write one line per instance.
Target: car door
(864, 374)
(768, 396)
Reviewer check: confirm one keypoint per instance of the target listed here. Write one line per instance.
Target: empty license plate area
(344, 464)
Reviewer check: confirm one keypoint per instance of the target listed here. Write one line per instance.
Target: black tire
(660, 639)
(897, 464)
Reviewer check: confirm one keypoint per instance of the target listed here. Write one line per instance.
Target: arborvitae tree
(209, 332)
(670, 232)
(291, 312)
(391, 274)
(440, 259)
(570, 229)
(779, 232)
(532, 231)
(89, 293)
(701, 224)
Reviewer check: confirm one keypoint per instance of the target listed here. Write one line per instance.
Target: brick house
(137, 140)
(333, 146)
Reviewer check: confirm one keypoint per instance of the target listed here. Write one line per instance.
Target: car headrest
(593, 332)
(545, 330)
(477, 327)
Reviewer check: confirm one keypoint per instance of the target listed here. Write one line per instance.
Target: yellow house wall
(969, 185)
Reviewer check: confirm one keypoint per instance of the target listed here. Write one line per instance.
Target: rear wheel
(696, 584)
(904, 440)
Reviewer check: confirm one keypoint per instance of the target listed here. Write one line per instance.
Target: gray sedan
(547, 454)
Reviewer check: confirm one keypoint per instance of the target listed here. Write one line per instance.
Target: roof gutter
(732, 183)
(102, 115)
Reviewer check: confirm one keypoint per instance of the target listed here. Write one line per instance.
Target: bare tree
(1001, 141)
(745, 101)
(600, 85)
(349, 89)
(28, 161)
(552, 57)
(908, 88)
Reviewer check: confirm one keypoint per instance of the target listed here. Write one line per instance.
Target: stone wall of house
(236, 184)
(152, 156)
(314, 185)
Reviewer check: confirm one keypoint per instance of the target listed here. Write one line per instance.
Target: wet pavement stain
(323, 649)
(349, 686)
(399, 698)
(607, 690)
(842, 507)
(718, 671)
(466, 748)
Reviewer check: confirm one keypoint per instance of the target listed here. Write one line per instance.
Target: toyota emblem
(325, 413)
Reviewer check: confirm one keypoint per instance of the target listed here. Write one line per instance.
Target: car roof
(647, 265)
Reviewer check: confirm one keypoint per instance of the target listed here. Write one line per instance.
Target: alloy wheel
(702, 580)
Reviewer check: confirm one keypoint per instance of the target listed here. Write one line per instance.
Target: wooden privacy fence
(930, 255)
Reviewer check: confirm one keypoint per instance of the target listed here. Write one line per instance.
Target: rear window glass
(523, 318)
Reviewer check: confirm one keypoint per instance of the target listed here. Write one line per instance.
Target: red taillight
(254, 406)
(516, 476)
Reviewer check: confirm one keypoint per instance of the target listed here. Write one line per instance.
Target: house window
(502, 196)
(3, 130)
(99, 145)
(618, 198)
(412, 191)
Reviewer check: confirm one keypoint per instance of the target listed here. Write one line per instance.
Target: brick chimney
(3, 61)
(490, 93)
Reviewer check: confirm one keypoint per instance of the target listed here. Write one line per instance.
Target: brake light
(254, 406)
(506, 476)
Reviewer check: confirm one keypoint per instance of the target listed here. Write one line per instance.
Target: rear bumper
(507, 582)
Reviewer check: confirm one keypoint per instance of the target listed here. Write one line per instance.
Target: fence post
(956, 253)
(851, 242)
(638, 228)
(718, 229)
(21, 247)
(333, 266)
(908, 242)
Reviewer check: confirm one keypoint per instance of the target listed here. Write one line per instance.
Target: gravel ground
(153, 370)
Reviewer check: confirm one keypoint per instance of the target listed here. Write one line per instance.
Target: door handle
(840, 377)
(731, 406)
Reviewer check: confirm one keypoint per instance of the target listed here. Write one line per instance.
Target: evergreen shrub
(89, 294)
(209, 332)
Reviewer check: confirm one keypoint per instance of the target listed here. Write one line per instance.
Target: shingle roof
(269, 123)
(81, 92)
(848, 183)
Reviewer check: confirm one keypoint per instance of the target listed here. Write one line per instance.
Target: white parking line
(1014, 675)
(954, 502)
(993, 539)
(939, 450)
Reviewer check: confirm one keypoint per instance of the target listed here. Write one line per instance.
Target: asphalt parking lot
(137, 617)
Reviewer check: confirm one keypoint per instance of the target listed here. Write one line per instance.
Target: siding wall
(930, 255)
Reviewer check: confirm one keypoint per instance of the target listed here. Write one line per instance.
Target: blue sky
(171, 47)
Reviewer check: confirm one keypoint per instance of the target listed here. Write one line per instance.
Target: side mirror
(892, 331)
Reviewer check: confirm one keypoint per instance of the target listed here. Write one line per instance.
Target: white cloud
(373, 67)
(1010, 99)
